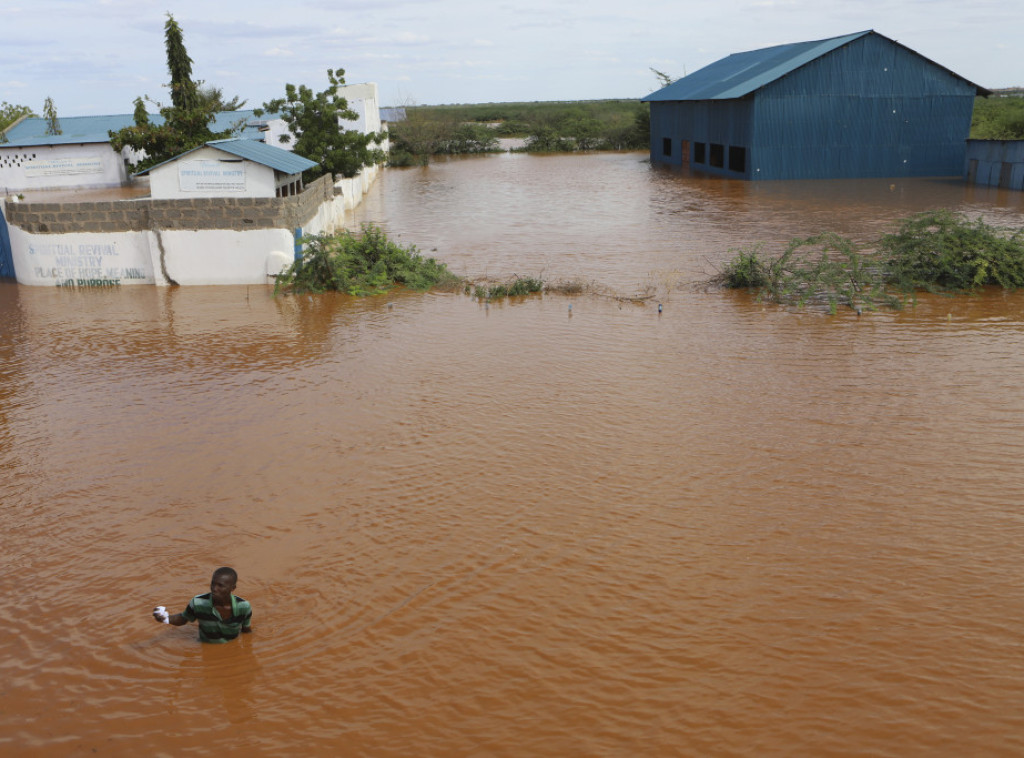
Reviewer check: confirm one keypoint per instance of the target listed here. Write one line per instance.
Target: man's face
(221, 588)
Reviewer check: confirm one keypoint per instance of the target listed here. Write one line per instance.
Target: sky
(94, 57)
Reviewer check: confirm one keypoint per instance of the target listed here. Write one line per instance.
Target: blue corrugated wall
(869, 109)
(997, 163)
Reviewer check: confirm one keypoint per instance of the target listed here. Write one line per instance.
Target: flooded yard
(720, 529)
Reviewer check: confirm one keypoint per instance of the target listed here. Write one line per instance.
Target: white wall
(277, 128)
(126, 258)
(81, 260)
(221, 256)
(362, 98)
(171, 181)
(43, 167)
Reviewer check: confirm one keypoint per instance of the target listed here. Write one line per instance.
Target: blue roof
(88, 129)
(740, 74)
(259, 152)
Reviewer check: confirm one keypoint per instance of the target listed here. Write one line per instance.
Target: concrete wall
(194, 241)
(996, 163)
(43, 167)
(177, 179)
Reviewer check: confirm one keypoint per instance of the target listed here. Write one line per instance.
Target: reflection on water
(724, 529)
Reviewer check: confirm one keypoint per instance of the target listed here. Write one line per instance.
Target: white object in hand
(161, 611)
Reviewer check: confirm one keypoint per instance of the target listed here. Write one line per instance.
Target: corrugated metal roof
(259, 152)
(740, 74)
(89, 129)
(277, 158)
(75, 129)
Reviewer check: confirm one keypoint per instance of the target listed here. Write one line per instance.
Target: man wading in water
(221, 615)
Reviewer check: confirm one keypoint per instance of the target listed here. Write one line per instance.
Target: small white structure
(229, 168)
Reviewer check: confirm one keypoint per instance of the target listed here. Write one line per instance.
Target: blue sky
(96, 56)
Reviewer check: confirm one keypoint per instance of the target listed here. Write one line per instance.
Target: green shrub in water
(517, 287)
(938, 251)
(361, 264)
(942, 250)
(825, 269)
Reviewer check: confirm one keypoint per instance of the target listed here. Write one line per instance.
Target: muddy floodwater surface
(724, 529)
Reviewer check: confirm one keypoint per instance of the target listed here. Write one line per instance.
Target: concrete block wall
(173, 241)
(198, 214)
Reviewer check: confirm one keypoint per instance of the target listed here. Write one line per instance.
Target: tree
(184, 92)
(50, 114)
(186, 121)
(663, 79)
(214, 96)
(9, 113)
(315, 120)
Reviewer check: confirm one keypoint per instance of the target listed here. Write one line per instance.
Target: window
(666, 146)
(738, 159)
(698, 152)
(717, 158)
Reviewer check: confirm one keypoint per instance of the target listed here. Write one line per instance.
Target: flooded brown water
(725, 530)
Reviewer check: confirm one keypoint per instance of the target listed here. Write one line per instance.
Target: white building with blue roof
(235, 167)
(80, 156)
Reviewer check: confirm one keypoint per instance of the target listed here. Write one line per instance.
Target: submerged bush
(825, 269)
(937, 250)
(942, 250)
(517, 287)
(364, 264)
(748, 269)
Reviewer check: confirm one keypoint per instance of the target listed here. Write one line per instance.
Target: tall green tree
(187, 119)
(315, 120)
(184, 92)
(50, 114)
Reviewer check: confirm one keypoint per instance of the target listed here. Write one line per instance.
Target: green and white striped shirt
(213, 628)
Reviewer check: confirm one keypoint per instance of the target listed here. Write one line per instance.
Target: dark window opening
(717, 158)
(698, 152)
(666, 146)
(738, 159)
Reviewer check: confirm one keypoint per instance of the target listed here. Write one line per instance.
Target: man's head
(223, 584)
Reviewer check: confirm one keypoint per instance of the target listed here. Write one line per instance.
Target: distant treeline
(543, 127)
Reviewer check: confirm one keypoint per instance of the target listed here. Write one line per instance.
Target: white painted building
(228, 212)
(80, 157)
(229, 168)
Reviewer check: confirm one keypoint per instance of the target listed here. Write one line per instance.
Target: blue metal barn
(861, 105)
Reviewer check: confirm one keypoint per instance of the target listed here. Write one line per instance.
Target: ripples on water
(722, 530)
